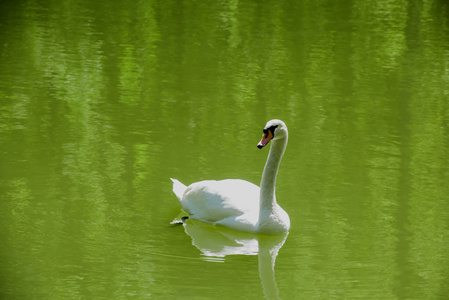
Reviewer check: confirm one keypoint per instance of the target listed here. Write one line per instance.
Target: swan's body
(239, 204)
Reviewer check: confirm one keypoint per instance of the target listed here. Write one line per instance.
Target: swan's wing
(213, 201)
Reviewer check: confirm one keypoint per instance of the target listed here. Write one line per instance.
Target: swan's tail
(178, 188)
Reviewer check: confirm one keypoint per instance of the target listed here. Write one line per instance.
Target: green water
(101, 102)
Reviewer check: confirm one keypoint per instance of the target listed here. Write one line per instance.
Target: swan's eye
(268, 135)
(271, 129)
(265, 132)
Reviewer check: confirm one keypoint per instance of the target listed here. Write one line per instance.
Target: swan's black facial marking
(272, 129)
(268, 135)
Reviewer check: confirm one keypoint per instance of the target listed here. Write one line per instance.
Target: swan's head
(274, 130)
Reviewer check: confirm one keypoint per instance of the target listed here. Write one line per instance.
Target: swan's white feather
(219, 202)
(178, 188)
(239, 204)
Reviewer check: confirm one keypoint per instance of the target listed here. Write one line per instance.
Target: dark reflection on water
(102, 102)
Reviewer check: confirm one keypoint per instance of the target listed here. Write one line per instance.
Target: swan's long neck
(268, 182)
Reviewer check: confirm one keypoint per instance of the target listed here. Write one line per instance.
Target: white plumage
(239, 204)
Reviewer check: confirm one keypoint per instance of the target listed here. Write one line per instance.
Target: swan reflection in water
(236, 204)
(216, 242)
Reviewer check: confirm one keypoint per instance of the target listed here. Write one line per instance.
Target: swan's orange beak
(265, 139)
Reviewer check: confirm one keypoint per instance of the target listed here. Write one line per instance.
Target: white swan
(239, 204)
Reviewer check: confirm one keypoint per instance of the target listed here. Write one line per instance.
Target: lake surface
(101, 102)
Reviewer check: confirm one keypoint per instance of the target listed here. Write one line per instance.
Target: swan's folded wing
(213, 201)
